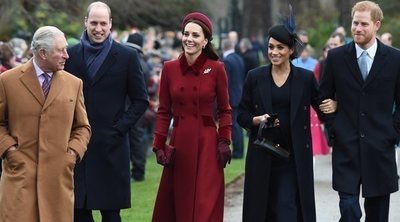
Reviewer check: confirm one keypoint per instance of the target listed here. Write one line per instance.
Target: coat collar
(104, 68)
(350, 58)
(296, 88)
(30, 80)
(196, 67)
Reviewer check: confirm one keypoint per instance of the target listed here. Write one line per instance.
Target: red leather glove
(224, 152)
(169, 155)
(160, 155)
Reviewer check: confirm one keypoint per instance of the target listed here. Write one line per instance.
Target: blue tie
(362, 63)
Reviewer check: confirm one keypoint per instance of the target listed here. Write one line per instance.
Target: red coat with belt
(195, 97)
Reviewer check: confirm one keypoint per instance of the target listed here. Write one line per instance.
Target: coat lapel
(265, 80)
(77, 57)
(30, 80)
(57, 83)
(378, 63)
(110, 59)
(350, 58)
(296, 92)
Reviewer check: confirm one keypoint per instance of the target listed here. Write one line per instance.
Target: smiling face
(278, 53)
(98, 24)
(193, 40)
(364, 29)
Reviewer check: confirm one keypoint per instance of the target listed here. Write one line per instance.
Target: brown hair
(6, 54)
(376, 11)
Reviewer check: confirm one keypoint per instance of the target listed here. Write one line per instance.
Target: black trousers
(237, 135)
(85, 215)
(376, 208)
(138, 142)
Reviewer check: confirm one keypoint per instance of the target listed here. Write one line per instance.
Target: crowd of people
(83, 116)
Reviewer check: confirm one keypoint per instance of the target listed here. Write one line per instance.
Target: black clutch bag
(267, 131)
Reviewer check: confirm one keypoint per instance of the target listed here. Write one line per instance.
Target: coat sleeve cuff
(6, 143)
(78, 148)
(159, 141)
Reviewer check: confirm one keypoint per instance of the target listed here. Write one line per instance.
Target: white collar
(371, 50)
(228, 52)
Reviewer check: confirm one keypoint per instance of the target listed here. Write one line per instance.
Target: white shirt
(371, 51)
(39, 73)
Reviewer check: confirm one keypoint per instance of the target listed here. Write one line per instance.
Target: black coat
(102, 179)
(256, 100)
(365, 129)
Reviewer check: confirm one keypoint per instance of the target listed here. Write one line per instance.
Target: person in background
(364, 77)
(44, 131)
(335, 40)
(234, 37)
(305, 60)
(250, 56)
(21, 50)
(387, 38)
(194, 93)
(7, 58)
(340, 29)
(111, 73)
(278, 189)
(235, 69)
(138, 142)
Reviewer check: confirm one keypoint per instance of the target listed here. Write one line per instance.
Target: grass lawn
(144, 193)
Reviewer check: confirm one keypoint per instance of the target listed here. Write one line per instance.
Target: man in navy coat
(364, 127)
(235, 70)
(110, 73)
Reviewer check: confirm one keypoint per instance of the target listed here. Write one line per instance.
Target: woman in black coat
(280, 189)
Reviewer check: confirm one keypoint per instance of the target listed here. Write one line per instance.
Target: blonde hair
(375, 10)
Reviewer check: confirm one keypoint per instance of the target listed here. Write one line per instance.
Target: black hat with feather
(286, 33)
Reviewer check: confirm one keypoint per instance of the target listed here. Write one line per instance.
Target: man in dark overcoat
(235, 70)
(110, 73)
(364, 77)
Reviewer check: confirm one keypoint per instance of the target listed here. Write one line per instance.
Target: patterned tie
(46, 84)
(362, 63)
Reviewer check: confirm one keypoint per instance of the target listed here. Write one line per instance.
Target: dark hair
(209, 49)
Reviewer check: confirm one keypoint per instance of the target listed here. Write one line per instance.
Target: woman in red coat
(193, 89)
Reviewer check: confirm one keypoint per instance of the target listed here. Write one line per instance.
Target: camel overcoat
(37, 181)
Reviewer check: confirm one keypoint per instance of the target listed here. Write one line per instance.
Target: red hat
(198, 17)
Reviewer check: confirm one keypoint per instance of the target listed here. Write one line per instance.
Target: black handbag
(267, 132)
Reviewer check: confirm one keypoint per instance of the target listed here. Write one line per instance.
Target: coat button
(182, 88)
(305, 107)
(362, 135)
(305, 127)
(194, 88)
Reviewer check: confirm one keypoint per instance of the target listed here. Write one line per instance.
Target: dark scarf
(94, 54)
